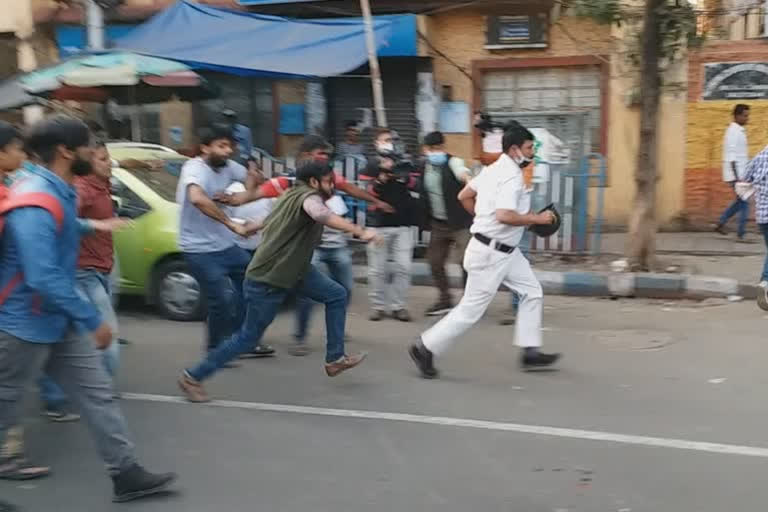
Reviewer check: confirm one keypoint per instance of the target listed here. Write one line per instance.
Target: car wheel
(177, 292)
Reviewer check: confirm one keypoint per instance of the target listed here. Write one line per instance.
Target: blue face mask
(437, 158)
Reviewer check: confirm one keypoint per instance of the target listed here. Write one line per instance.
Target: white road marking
(541, 430)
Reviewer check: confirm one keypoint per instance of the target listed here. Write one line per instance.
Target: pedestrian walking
(206, 232)
(40, 305)
(444, 177)
(282, 263)
(735, 158)
(500, 202)
(756, 173)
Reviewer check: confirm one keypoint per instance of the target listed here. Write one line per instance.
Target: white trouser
(399, 242)
(488, 268)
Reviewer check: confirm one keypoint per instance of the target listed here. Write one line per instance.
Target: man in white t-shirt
(735, 158)
(501, 204)
(206, 231)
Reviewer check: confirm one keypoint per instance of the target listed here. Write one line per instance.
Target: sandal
(19, 468)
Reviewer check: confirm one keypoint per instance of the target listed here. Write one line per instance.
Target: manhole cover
(633, 339)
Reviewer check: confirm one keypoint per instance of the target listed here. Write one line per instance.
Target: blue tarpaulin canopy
(252, 44)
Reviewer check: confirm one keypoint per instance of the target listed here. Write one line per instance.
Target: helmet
(547, 230)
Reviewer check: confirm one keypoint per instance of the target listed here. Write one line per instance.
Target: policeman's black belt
(507, 249)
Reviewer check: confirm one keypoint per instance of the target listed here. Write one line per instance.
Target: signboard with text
(735, 80)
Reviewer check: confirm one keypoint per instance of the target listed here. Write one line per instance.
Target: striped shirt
(757, 174)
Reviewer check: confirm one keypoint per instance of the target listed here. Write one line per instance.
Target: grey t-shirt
(198, 232)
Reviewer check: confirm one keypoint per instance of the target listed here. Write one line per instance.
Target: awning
(252, 44)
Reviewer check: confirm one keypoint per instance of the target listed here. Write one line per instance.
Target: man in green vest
(281, 264)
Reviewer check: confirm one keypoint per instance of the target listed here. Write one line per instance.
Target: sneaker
(720, 229)
(344, 363)
(136, 482)
(402, 314)
(376, 315)
(8, 507)
(192, 389)
(440, 308)
(537, 360)
(260, 351)
(60, 414)
(424, 360)
(762, 295)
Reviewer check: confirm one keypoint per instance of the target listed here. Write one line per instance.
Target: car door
(129, 242)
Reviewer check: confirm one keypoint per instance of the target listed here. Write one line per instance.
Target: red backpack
(10, 200)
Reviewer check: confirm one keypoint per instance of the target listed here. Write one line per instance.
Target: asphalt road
(655, 407)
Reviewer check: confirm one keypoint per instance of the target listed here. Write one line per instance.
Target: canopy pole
(373, 64)
(94, 20)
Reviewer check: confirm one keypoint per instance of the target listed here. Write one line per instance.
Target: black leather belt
(508, 249)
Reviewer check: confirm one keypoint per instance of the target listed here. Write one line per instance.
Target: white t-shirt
(198, 232)
(500, 186)
(256, 211)
(735, 150)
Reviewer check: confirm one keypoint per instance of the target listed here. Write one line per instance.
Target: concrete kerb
(605, 284)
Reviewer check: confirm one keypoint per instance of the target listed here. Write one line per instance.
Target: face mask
(437, 158)
(521, 160)
(385, 147)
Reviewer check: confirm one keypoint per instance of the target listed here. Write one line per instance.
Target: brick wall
(705, 194)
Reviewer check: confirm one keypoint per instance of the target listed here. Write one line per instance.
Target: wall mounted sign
(735, 80)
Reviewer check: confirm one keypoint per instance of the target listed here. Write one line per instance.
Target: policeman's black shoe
(136, 482)
(533, 359)
(423, 359)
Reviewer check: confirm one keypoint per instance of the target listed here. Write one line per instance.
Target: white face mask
(385, 146)
(519, 159)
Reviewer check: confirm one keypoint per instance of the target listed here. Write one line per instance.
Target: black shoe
(402, 315)
(720, 229)
(538, 359)
(260, 351)
(423, 359)
(8, 507)
(440, 308)
(136, 482)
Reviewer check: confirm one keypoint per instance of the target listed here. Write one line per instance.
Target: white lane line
(542, 430)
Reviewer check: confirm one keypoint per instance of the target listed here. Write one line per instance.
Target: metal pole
(373, 64)
(94, 19)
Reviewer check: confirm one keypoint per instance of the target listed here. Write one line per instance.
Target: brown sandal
(19, 468)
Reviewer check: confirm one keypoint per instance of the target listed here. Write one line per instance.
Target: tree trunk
(641, 248)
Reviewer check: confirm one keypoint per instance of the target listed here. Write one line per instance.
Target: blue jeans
(742, 208)
(525, 247)
(262, 304)
(339, 264)
(96, 287)
(221, 275)
(764, 231)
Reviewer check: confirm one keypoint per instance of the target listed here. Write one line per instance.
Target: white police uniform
(492, 259)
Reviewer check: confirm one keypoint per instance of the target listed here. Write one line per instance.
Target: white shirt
(255, 210)
(199, 233)
(500, 186)
(734, 150)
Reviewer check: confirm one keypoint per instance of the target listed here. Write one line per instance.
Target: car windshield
(162, 181)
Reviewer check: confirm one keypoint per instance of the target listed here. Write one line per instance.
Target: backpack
(10, 200)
